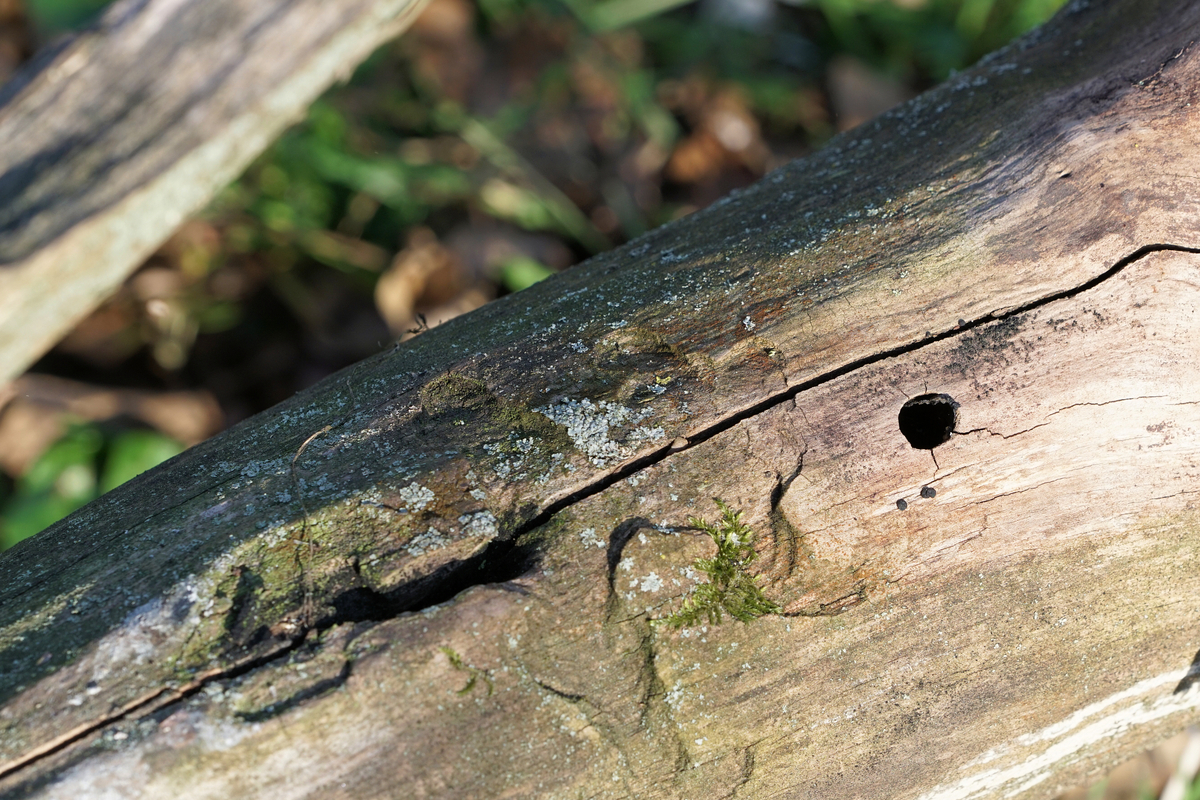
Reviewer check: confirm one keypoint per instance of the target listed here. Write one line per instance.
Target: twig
(306, 610)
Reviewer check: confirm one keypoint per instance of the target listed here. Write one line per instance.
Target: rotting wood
(113, 138)
(508, 487)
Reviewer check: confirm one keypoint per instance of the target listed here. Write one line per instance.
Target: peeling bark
(441, 569)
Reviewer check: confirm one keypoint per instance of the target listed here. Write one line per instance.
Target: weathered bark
(111, 139)
(435, 573)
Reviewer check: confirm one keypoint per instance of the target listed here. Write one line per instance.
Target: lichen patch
(415, 496)
(589, 425)
(481, 523)
(426, 542)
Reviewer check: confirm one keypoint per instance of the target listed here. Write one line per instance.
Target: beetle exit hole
(928, 420)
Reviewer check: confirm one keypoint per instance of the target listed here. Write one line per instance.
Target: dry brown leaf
(471, 299)
(698, 157)
(730, 121)
(16, 41)
(424, 274)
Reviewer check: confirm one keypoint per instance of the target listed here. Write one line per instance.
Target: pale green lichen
(730, 588)
(415, 496)
(589, 424)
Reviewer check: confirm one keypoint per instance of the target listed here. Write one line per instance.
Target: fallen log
(457, 568)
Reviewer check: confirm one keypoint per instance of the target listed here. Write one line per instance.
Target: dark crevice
(1191, 678)
(782, 484)
(618, 539)
(501, 561)
(777, 492)
(360, 604)
(786, 543)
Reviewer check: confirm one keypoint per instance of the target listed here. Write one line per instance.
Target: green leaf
(59, 482)
(521, 272)
(132, 453)
(79, 447)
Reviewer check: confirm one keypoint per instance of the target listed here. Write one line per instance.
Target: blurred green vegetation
(392, 150)
(85, 463)
(395, 155)
(568, 124)
(936, 37)
(52, 17)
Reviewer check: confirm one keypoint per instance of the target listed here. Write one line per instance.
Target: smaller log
(113, 138)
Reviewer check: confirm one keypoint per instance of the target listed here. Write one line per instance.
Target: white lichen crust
(588, 424)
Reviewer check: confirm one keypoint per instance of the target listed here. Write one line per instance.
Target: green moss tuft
(730, 588)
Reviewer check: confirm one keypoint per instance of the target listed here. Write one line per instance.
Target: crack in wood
(1005, 436)
(747, 770)
(559, 693)
(142, 707)
(1020, 491)
(319, 688)
(505, 554)
(1106, 403)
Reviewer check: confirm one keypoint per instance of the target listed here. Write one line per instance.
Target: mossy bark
(300, 606)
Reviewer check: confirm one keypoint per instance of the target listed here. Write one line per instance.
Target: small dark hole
(928, 492)
(902, 504)
(927, 421)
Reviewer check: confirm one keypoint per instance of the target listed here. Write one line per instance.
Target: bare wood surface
(438, 569)
(111, 140)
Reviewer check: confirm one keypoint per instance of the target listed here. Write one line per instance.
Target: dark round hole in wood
(928, 420)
